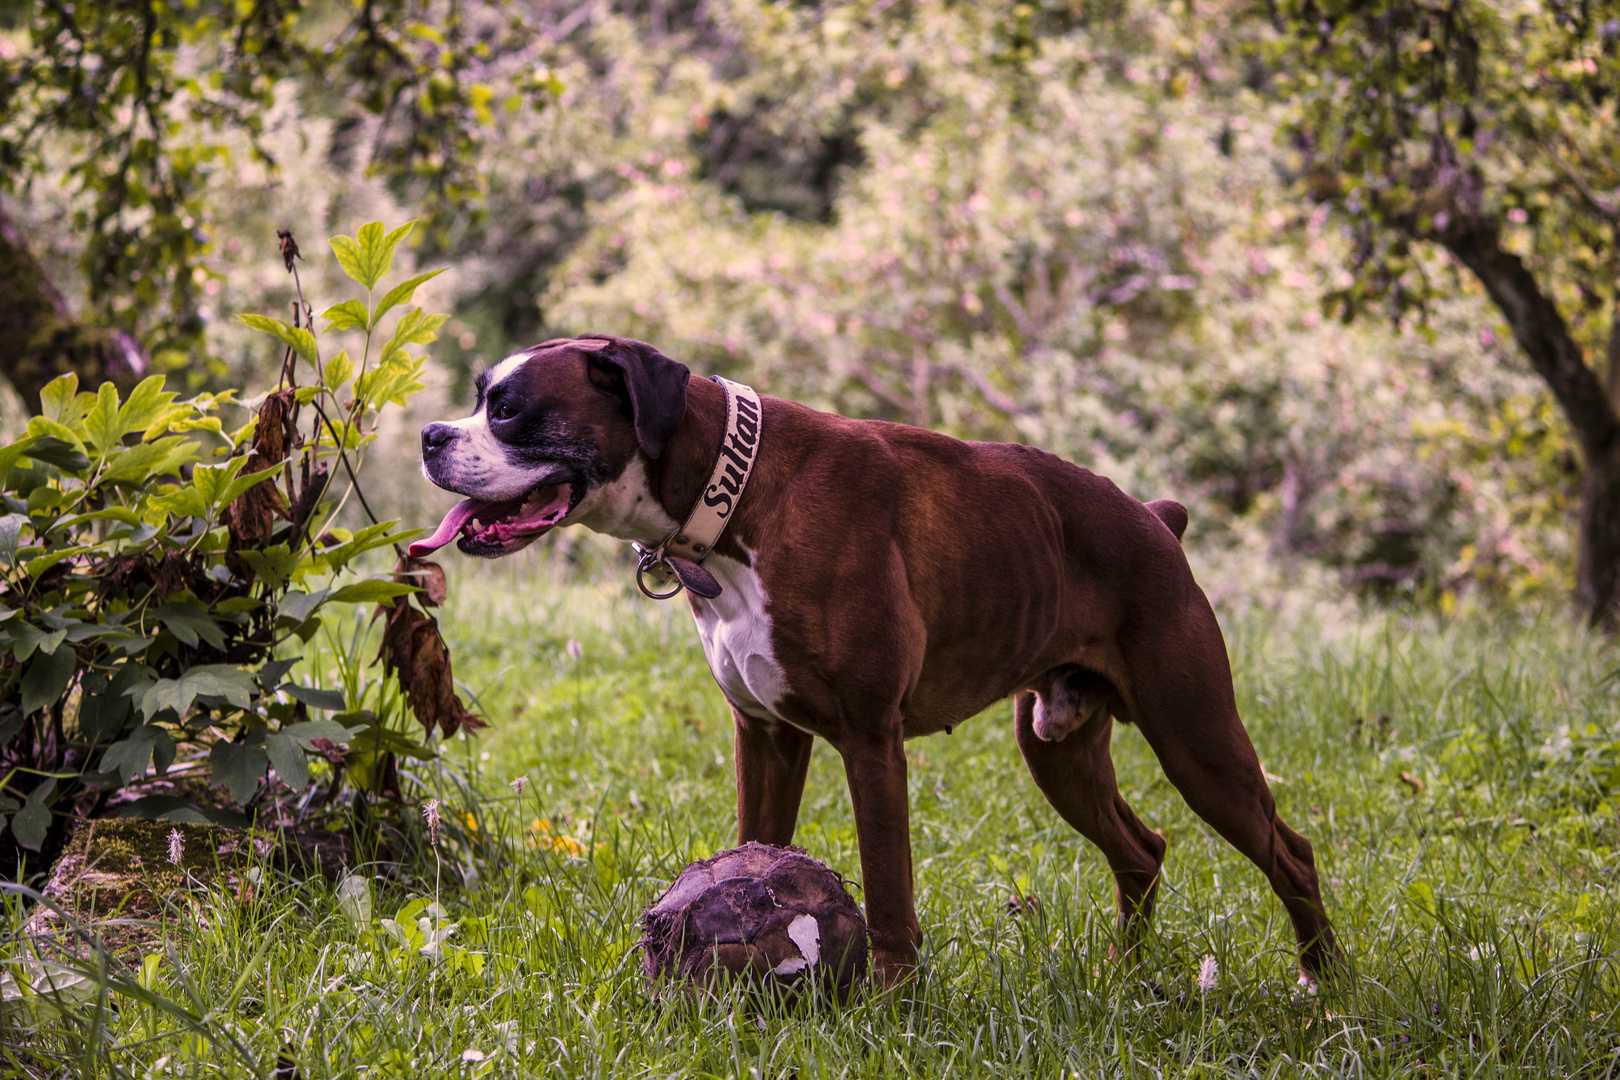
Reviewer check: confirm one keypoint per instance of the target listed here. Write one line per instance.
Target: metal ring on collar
(651, 558)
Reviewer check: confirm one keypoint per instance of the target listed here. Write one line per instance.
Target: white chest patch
(736, 633)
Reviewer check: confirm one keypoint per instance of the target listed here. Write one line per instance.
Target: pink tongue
(448, 528)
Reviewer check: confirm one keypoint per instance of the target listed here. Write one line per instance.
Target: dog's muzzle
(493, 527)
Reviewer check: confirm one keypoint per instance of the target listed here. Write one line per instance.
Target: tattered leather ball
(770, 915)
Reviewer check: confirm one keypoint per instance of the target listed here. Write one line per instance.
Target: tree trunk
(1544, 336)
(1597, 568)
(40, 339)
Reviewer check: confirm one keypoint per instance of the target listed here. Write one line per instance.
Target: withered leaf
(314, 484)
(170, 574)
(425, 575)
(251, 517)
(328, 749)
(413, 649)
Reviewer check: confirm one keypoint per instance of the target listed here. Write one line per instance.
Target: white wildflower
(177, 846)
(519, 784)
(1209, 972)
(434, 821)
(473, 1055)
(574, 649)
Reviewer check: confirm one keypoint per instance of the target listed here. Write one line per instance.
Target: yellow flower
(542, 837)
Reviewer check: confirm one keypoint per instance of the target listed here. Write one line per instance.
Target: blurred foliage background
(1134, 233)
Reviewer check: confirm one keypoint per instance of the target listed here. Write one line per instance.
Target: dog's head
(553, 426)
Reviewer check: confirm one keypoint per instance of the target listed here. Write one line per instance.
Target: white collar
(691, 543)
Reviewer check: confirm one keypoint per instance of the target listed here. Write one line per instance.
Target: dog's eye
(502, 410)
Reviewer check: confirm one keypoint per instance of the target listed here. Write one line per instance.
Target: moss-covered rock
(121, 876)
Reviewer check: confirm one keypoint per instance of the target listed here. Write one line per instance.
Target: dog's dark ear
(654, 384)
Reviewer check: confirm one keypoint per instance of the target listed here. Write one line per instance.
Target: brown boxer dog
(880, 582)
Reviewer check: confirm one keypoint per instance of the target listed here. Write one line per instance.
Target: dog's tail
(1172, 513)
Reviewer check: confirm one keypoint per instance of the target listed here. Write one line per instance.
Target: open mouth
(489, 528)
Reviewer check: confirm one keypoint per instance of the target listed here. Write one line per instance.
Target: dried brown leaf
(250, 519)
(425, 575)
(413, 649)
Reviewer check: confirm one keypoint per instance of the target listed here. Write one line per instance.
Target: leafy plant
(159, 573)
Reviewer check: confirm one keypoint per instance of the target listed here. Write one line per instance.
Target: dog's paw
(891, 971)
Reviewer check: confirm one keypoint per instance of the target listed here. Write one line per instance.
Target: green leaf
(351, 258)
(57, 396)
(56, 445)
(287, 758)
(11, 536)
(369, 255)
(349, 315)
(391, 383)
(319, 729)
(271, 674)
(12, 453)
(296, 338)
(216, 680)
(186, 502)
(130, 756)
(101, 425)
(210, 487)
(111, 513)
(106, 706)
(188, 622)
(11, 722)
(274, 565)
(26, 637)
(36, 567)
(368, 538)
(299, 606)
(413, 328)
(234, 489)
(332, 700)
(149, 460)
(377, 740)
(147, 405)
(238, 768)
(33, 821)
(337, 371)
(201, 423)
(400, 294)
(211, 480)
(47, 678)
(370, 591)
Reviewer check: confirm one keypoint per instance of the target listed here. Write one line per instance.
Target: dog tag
(694, 577)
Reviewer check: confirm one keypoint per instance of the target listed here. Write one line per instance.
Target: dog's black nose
(435, 437)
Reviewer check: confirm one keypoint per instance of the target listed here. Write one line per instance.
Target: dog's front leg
(875, 765)
(772, 759)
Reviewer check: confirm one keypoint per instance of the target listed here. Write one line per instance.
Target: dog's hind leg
(1184, 704)
(772, 759)
(1076, 774)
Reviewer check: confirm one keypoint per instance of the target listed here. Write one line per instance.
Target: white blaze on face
(503, 370)
(477, 463)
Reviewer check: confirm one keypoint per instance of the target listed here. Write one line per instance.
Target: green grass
(1480, 912)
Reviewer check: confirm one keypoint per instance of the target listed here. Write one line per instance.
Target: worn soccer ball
(767, 915)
